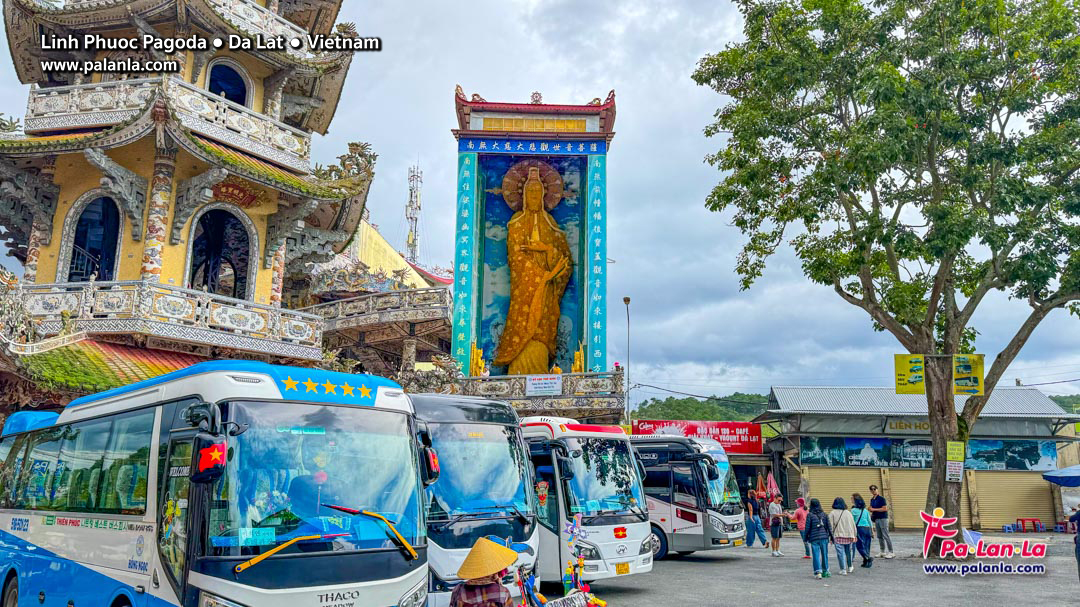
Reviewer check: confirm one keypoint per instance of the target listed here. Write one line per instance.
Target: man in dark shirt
(1075, 519)
(879, 513)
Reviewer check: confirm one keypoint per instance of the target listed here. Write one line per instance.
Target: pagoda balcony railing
(603, 384)
(252, 19)
(87, 105)
(168, 313)
(110, 103)
(413, 305)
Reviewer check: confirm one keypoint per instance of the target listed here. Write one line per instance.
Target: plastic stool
(1008, 528)
(1040, 527)
(1059, 528)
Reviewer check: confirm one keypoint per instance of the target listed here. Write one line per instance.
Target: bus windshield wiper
(276, 549)
(521, 516)
(457, 518)
(395, 536)
(600, 513)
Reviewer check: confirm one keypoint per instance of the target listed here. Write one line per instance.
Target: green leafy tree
(917, 156)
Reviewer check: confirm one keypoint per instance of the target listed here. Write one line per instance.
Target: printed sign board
(955, 451)
(968, 374)
(543, 385)
(910, 373)
(954, 472)
(736, 437)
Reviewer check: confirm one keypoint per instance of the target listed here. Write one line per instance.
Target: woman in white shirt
(844, 535)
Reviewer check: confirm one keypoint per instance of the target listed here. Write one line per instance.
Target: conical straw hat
(486, 558)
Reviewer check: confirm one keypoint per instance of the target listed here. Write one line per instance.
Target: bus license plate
(622, 568)
(738, 542)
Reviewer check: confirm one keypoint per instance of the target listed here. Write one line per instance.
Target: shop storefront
(840, 441)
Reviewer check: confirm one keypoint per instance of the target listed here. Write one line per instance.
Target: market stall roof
(1006, 402)
(1066, 477)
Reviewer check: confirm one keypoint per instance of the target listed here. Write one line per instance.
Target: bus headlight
(646, 545)
(210, 600)
(587, 551)
(416, 596)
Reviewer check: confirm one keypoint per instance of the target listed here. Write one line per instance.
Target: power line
(723, 400)
(1048, 383)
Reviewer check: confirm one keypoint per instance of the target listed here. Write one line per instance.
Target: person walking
(799, 516)
(776, 523)
(844, 535)
(818, 533)
(753, 520)
(879, 513)
(864, 528)
(1075, 519)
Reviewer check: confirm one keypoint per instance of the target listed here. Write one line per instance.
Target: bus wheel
(659, 545)
(11, 593)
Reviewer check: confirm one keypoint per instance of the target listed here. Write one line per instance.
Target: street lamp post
(626, 395)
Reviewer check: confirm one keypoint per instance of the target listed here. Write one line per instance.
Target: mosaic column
(596, 247)
(408, 354)
(465, 254)
(278, 283)
(39, 229)
(157, 217)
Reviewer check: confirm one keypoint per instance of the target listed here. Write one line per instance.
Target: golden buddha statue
(540, 266)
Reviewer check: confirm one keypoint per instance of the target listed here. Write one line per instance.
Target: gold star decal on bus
(311, 386)
(329, 387)
(365, 392)
(290, 383)
(346, 389)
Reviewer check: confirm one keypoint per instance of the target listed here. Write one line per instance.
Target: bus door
(658, 495)
(548, 501)
(688, 517)
(175, 527)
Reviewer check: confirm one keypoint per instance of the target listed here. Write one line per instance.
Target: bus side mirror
(431, 465)
(713, 472)
(210, 454)
(640, 467)
(566, 469)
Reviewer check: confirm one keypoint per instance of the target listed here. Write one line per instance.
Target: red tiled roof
(93, 366)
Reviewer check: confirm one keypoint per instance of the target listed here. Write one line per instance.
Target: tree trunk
(944, 427)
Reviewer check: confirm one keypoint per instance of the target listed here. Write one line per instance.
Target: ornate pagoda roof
(466, 107)
(316, 75)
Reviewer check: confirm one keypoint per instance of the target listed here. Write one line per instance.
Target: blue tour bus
(226, 484)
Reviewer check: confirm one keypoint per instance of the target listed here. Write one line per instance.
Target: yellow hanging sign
(967, 374)
(910, 373)
(955, 451)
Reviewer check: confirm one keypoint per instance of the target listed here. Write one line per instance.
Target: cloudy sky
(693, 330)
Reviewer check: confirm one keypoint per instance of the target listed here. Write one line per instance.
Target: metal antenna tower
(412, 213)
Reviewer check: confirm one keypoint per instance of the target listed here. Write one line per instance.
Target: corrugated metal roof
(854, 400)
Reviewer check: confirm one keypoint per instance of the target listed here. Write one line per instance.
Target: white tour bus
(591, 471)
(484, 488)
(226, 484)
(693, 498)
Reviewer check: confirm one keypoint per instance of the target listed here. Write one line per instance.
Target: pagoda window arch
(226, 78)
(223, 252)
(91, 239)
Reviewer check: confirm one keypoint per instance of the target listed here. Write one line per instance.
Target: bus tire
(660, 548)
(11, 592)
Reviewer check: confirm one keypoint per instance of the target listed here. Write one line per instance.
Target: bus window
(658, 483)
(683, 485)
(547, 505)
(33, 487)
(172, 532)
(12, 471)
(80, 457)
(124, 469)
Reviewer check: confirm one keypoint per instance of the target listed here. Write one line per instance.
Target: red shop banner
(736, 437)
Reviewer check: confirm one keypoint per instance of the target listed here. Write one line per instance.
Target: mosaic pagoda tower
(161, 217)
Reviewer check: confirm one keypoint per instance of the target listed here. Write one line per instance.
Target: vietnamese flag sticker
(620, 533)
(211, 456)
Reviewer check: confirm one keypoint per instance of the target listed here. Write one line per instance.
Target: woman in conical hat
(482, 573)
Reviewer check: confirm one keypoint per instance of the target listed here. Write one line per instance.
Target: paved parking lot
(743, 576)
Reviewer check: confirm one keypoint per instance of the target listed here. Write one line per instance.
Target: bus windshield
(605, 477)
(293, 458)
(484, 471)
